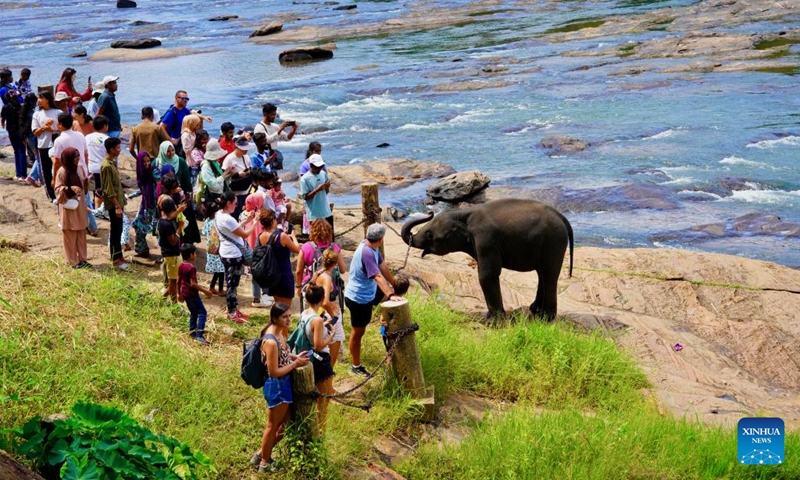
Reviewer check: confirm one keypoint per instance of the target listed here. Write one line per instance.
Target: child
(189, 288)
(24, 82)
(170, 245)
(170, 186)
(214, 264)
(401, 285)
(282, 207)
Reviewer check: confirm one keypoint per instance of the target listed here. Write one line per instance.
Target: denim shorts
(278, 391)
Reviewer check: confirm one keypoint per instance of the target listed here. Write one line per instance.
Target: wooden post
(406, 362)
(371, 207)
(304, 407)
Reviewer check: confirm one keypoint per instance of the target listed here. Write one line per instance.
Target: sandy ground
(737, 319)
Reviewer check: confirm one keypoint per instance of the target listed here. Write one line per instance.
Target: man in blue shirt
(369, 283)
(107, 106)
(172, 120)
(314, 188)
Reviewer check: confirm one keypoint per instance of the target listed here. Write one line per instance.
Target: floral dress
(213, 262)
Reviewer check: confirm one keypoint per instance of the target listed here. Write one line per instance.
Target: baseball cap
(243, 144)
(108, 79)
(375, 232)
(316, 160)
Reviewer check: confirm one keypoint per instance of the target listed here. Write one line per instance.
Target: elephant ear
(460, 235)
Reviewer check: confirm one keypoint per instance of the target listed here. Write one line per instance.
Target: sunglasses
(185, 99)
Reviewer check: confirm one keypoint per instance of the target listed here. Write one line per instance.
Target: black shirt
(166, 228)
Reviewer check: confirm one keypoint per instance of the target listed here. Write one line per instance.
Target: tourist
(24, 82)
(314, 188)
(191, 125)
(62, 102)
(369, 283)
(313, 148)
(231, 236)
(274, 132)
(107, 106)
(241, 181)
(282, 206)
(262, 159)
(29, 106)
(93, 107)
(71, 138)
(252, 206)
(83, 122)
(226, 137)
(114, 199)
(147, 136)
(320, 333)
(167, 157)
(7, 84)
(214, 264)
(172, 121)
(198, 152)
(10, 116)
(96, 151)
(45, 126)
(148, 211)
(212, 176)
(189, 290)
(264, 181)
(70, 187)
(66, 84)
(283, 246)
(278, 386)
(170, 245)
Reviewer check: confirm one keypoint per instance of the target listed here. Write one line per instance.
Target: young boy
(401, 285)
(24, 82)
(170, 245)
(189, 288)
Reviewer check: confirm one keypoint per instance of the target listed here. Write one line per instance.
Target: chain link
(395, 337)
(408, 250)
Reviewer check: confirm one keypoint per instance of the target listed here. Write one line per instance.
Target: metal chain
(408, 250)
(395, 337)
(338, 235)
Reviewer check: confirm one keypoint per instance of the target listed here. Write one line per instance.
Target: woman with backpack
(283, 247)
(325, 278)
(278, 386)
(320, 333)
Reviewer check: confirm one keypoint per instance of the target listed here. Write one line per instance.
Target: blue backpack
(254, 370)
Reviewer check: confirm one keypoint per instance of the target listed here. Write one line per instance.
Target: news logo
(761, 441)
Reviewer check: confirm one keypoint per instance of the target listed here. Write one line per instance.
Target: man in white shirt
(272, 131)
(241, 181)
(96, 152)
(70, 138)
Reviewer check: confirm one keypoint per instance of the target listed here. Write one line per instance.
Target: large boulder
(563, 145)
(458, 186)
(392, 173)
(139, 43)
(269, 29)
(126, 4)
(306, 54)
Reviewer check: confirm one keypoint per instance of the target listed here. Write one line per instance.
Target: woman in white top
(44, 126)
(191, 125)
(320, 334)
(232, 235)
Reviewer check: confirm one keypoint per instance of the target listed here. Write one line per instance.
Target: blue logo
(761, 441)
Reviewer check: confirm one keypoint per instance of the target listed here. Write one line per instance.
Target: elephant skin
(520, 235)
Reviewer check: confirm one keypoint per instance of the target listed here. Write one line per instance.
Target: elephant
(520, 235)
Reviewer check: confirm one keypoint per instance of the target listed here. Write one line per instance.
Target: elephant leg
(545, 304)
(489, 277)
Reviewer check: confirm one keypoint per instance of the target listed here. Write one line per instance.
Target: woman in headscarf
(166, 156)
(148, 211)
(70, 184)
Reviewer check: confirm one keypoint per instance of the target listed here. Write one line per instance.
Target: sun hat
(98, 87)
(316, 160)
(243, 143)
(108, 79)
(61, 96)
(214, 151)
(375, 232)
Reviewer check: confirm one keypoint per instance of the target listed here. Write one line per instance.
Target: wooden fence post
(304, 406)
(406, 362)
(371, 207)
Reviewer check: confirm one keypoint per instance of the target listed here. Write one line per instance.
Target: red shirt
(226, 145)
(186, 274)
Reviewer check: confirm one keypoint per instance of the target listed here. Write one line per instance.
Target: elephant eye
(429, 235)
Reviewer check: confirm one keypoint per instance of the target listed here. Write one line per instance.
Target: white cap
(98, 87)
(316, 160)
(108, 79)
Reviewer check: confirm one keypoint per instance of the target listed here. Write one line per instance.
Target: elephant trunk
(405, 233)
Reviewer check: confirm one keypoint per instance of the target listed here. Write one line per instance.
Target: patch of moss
(491, 12)
(777, 42)
(792, 71)
(575, 26)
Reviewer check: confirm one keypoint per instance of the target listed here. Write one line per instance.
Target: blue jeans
(20, 157)
(33, 153)
(197, 315)
(114, 134)
(92, 220)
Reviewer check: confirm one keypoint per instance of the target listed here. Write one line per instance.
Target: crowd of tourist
(185, 174)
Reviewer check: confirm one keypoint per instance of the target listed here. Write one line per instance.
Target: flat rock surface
(391, 173)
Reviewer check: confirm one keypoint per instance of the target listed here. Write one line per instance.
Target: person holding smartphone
(241, 180)
(283, 132)
(320, 333)
(326, 279)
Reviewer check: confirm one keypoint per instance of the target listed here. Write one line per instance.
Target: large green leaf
(114, 460)
(94, 415)
(58, 452)
(80, 469)
(33, 445)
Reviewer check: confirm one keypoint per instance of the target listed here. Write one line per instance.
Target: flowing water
(668, 151)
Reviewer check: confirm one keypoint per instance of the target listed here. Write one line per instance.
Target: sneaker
(202, 341)
(359, 370)
(122, 266)
(269, 467)
(84, 264)
(267, 301)
(258, 304)
(255, 459)
(235, 318)
(242, 315)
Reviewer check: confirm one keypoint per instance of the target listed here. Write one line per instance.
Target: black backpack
(265, 269)
(254, 371)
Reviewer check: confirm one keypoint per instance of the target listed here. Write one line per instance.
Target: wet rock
(223, 18)
(494, 69)
(313, 129)
(138, 44)
(290, 176)
(126, 4)
(382, 145)
(268, 29)
(392, 214)
(458, 186)
(756, 223)
(306, 54)
(654, 173)
(78, 54)
(141, 23)
(619, 198)
(563, 145)
(392, 173)
(345, 7)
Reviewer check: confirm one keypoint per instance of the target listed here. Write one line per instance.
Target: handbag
(71, 204)
(242, 184)
(277, 162)
(244, 247)
(213, 239)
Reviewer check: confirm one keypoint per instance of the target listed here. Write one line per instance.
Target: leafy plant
(304, 459)
(102, 442)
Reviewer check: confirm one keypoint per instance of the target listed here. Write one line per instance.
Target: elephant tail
(571, 242)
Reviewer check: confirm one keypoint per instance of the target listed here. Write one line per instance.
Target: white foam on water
(370, 104)
(791, 140)
(741, 161)
(700, 192)
(417, 126)
(665, 134)
(472, 116)
(680, 181)
(766, 197)
(361, 129)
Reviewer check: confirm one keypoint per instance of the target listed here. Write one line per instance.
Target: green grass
(576, 25)
(573, 402)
